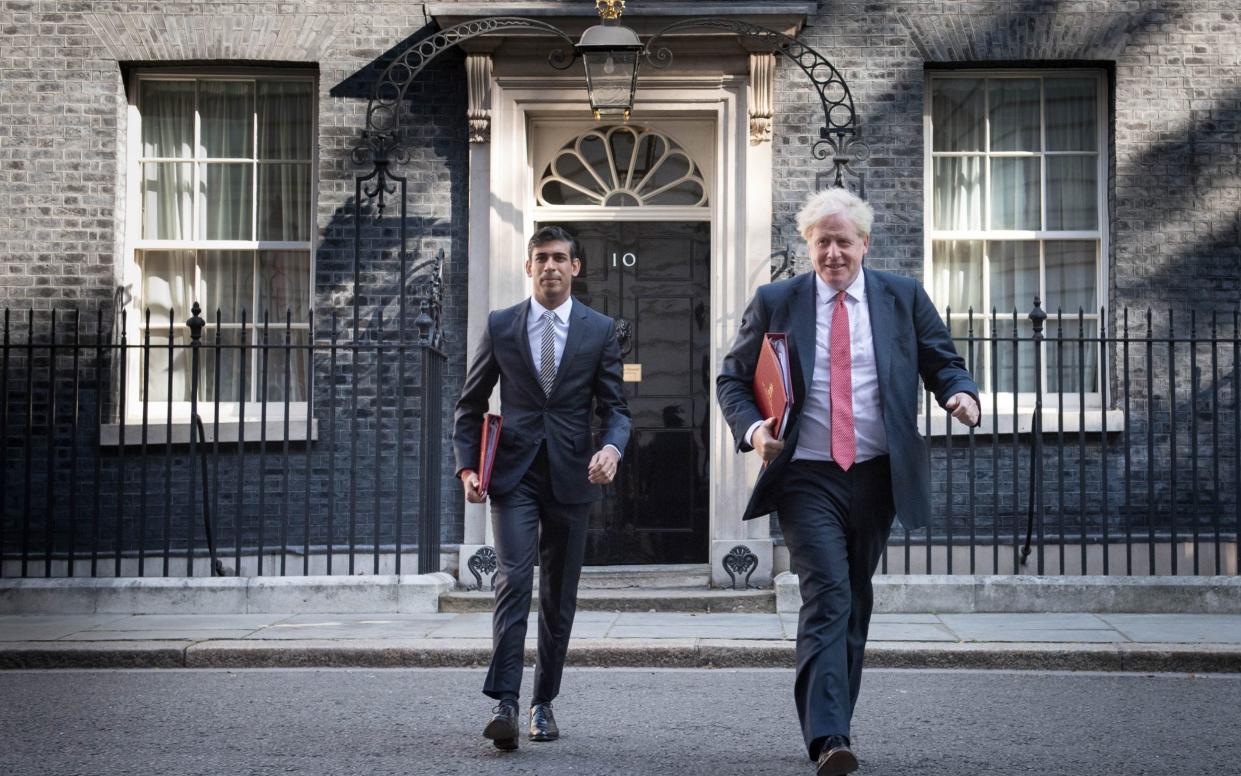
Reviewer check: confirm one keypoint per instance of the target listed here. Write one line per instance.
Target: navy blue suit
(836, 522)
(540, 490)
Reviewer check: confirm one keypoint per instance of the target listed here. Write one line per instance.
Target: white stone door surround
(502, 214)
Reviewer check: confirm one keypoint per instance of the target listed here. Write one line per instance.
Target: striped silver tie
(547, 353)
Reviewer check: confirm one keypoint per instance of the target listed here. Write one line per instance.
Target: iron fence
(1107, 445)
(221, 448)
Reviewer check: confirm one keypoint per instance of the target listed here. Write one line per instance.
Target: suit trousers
(835, 524)
(526, 521)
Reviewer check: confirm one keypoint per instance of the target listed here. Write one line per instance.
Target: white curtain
(285, 110)
(1014, 193)
(167, 293)
(284, 292)
(958, 192)
(1071, 188)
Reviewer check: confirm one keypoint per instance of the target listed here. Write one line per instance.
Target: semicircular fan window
(622, 166)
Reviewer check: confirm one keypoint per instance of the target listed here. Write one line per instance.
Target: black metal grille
(360, 474)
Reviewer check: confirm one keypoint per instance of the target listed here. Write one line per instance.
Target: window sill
(1090, 421)
(157, 433)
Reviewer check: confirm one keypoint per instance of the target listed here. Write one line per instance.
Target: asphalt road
(636, 722)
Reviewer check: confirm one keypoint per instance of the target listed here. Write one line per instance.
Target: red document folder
(773, 382)
(487, 451)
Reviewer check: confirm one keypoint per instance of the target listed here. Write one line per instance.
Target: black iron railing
(1108, 445)
(218, 448)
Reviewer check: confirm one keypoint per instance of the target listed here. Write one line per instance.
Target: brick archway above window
(156, 38)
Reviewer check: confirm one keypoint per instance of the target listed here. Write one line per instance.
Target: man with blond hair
(851, 457)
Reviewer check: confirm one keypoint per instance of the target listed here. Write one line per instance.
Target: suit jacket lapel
(882, 328)
(802, 325)
(522, 337)
(577, 330)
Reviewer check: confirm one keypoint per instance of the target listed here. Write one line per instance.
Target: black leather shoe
(502, 729)
(836, 758)
(543, 723)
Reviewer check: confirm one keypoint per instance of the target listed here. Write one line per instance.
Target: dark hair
(548, 234)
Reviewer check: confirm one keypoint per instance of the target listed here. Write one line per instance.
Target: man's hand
(469, 481)
(963, 408)
(603, 466)
(765, 442)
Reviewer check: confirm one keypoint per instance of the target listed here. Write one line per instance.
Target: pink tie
(844, 446)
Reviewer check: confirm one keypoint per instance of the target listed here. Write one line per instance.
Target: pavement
(1205, 643)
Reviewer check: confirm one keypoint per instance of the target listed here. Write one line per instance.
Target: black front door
(653, 278)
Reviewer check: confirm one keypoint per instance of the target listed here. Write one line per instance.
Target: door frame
(503, 211)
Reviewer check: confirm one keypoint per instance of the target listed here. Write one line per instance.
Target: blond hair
(835, 201)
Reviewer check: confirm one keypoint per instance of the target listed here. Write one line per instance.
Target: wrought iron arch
(838, 137)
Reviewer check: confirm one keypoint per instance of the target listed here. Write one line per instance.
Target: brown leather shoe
(836, 758)
(502, 728)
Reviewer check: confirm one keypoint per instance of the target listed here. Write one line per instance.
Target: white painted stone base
(465, 579)
(762, 549)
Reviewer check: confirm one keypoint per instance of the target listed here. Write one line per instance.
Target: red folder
(487, 452)
(773, 382)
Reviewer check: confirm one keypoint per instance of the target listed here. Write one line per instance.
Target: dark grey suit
(836, 522)
(540, 490)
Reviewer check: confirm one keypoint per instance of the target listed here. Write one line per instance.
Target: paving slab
(325, 626)
(192, 622)
(40, 627)
(1178, 628)
(910, 631)
(676, 624)
(155, 634)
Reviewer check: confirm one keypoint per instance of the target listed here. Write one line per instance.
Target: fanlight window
(622, 166)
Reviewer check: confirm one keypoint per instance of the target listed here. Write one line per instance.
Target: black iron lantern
(610, 53)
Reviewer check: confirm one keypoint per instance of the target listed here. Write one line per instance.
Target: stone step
(701, 599)
(681, 575)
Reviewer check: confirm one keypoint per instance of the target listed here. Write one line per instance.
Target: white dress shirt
(534, 332)
(534, 329)
(814, 437)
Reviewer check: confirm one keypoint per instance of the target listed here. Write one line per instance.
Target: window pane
(1014, 276)
(1071, 360)
(1015, 193)
(958, 192)
(1070, 274)
(167, 109)
(1071, 114)
(285, 119)
(227, 284)
(1071, 184)
(284, 285)
(167, 201)
(293, 386)
(957, 268)
(160, 358)
(957, 114)
(1014, 104)
(1014, 359)
(284, 202)
(226, 110)
(230, 359)
(167, 285)
(225, 209)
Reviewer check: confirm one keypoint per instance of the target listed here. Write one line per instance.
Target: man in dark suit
(852, 456)
(554, 358)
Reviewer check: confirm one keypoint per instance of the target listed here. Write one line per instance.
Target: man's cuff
(618, 452)
(749, 434)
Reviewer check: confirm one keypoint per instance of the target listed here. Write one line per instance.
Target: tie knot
(840, 296)
(548, 316)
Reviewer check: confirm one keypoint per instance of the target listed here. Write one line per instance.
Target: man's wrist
(467, 473)
(614, 449)
(749, 434)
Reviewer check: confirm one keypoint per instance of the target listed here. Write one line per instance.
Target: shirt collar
(562, 312)
(856, 290)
